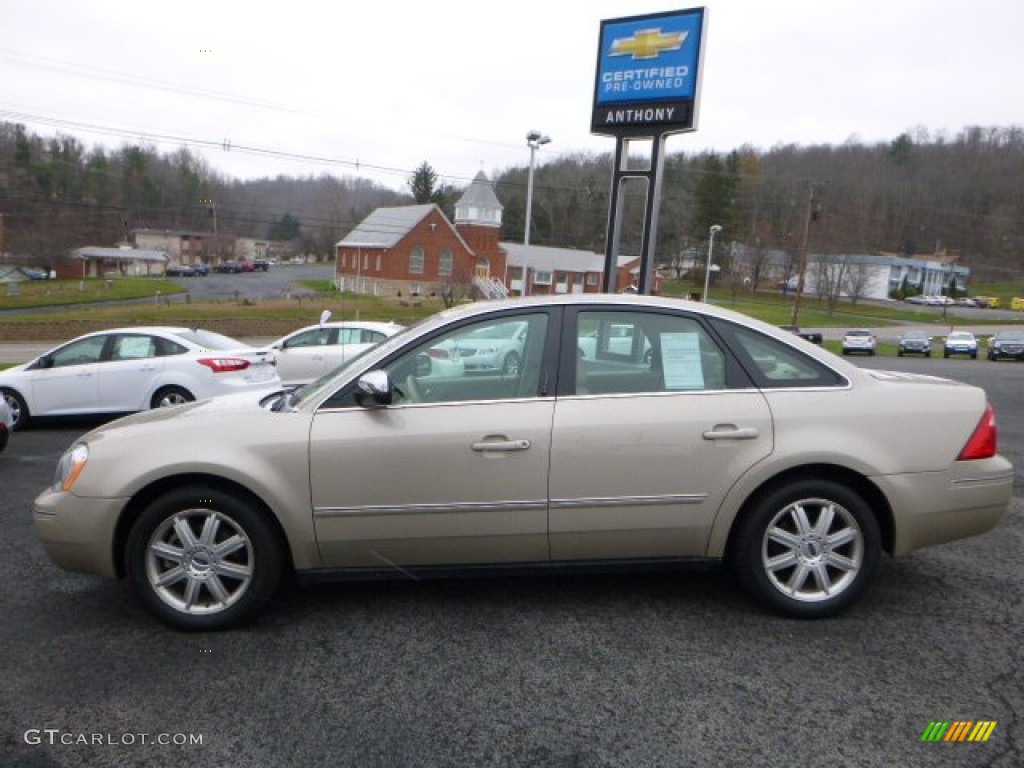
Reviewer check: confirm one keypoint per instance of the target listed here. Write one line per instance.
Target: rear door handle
(730, 432)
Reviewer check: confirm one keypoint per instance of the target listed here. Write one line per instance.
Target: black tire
(788, 572)
(974, 355)
(19, 408)
(510, 365)
(216, 589)
(168, 396)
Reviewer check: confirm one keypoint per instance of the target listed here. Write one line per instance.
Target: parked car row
(187, 270)
(132, 369)
(234, 267)
(1004, 344)
(982, 302)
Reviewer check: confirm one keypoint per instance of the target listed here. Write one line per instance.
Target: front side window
(488, 360)
(80, 352)
(416, 260)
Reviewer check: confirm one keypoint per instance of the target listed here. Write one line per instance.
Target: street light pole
(715, 229)
(534, 140)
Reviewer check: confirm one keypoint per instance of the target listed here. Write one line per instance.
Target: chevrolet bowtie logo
(648, 44)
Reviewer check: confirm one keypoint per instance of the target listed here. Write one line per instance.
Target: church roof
(384, 227)
(479, 194)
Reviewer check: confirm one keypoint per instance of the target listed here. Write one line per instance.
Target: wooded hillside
(916, 194)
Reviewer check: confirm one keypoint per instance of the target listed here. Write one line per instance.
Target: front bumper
(78, 533)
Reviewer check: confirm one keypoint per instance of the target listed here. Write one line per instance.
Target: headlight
(70, 467)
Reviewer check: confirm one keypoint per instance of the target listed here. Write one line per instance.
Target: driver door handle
(503, 446)
(730, 432)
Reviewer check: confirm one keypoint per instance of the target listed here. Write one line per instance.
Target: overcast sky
(458, 84)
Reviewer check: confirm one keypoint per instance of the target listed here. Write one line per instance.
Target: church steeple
(478, 205)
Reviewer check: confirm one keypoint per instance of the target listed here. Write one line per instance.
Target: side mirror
(374, 390)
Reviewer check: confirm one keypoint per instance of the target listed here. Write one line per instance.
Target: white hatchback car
(132, 369)
(311, 352)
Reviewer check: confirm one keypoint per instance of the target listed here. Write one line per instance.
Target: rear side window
(624, 352)
(773, 364)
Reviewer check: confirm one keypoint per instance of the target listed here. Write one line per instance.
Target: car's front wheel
(203, 559)
(807, 549)
(167, 396)
(19, 408)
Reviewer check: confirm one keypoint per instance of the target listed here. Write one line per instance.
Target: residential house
(187, 247)
(124, 261)
(883, 275)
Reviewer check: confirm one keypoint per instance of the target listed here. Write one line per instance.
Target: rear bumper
(938, 507)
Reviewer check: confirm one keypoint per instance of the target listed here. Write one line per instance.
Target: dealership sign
(648, 73)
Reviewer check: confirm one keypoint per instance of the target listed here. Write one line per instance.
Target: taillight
(224, 364)
(982, 442)
(438, 353)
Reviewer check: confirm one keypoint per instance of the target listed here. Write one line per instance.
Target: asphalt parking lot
(657, 669)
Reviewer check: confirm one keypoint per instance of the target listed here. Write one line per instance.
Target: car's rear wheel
(203, 559)
(807, 549)
(19, 408)
(167, 396)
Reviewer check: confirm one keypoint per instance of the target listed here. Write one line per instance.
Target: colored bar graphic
(959, 730)
(982, 730)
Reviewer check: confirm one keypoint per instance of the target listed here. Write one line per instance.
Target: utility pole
(802, 260)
